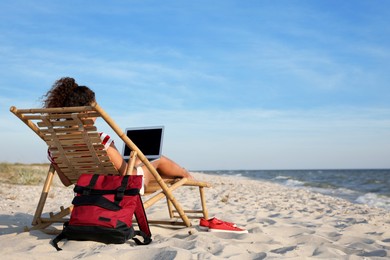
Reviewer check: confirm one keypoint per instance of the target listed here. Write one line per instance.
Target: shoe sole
(203, 228)
(228, 231)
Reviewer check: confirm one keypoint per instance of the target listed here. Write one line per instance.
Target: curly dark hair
(65, 92)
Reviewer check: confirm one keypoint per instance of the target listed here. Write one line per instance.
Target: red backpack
(103, 211)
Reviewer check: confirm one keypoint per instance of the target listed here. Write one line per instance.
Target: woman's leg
(166, 168)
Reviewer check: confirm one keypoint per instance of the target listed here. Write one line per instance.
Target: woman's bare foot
(188, 175)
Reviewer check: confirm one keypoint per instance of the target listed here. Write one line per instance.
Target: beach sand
(282, 223)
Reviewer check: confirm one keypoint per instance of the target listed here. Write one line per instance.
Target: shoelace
(220, 222)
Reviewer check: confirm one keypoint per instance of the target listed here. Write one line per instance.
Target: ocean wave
(281, 177)
(375, 200)
(294, 183)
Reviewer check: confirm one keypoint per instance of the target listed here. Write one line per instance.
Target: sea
(363, 186)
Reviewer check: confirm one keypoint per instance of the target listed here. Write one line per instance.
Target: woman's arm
(117, 159)
(62, 176)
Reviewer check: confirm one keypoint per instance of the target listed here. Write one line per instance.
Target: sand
(282, 223)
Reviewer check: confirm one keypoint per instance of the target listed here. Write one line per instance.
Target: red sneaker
(204, 224)
(222, 226)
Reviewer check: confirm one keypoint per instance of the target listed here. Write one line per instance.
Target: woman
(67, 93)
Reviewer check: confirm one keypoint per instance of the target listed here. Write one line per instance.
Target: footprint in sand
(334, 236)
(267, 221)
(283, 250)
(375, 253)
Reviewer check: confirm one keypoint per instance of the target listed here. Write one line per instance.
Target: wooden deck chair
(73, 140)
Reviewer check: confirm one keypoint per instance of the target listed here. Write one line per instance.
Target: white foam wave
(281, 177)
(234, 175)
(293, 183)
(374, 200)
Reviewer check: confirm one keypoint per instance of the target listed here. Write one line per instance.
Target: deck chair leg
(45, 191)
(171, 199)
(170, 208)
(179, 209)
(54, 218)
(203, 201)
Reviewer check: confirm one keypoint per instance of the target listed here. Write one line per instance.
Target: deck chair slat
(74, 178)
(78, 158)
(75, 145)
(80, 154)
(90, 129)
(78, 165)
(88, 166)
(80, 139)
(72, 143)
(77, 153)
(94, 138)
(85, 115)
(74, 132)
(55, 110)
(95, 170)
(66, 123)
(103, 159)
(69, 121)
(33, 116)
(87, 159)
(38, 116)
(92, 168)
(68, 134)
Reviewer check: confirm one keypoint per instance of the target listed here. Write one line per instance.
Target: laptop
(148, 139)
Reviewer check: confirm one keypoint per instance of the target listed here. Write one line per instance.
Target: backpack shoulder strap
(143, 223)
(58, 238)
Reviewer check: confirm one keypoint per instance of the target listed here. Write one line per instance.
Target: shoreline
(282, 222)
(356, 186)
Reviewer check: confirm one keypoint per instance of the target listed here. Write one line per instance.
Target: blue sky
(237, 84)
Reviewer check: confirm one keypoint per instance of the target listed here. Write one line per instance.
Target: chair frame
(35, 119)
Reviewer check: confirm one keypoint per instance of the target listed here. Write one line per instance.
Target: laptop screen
(147, 139)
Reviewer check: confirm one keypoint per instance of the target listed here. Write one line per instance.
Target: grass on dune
(24, 174)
